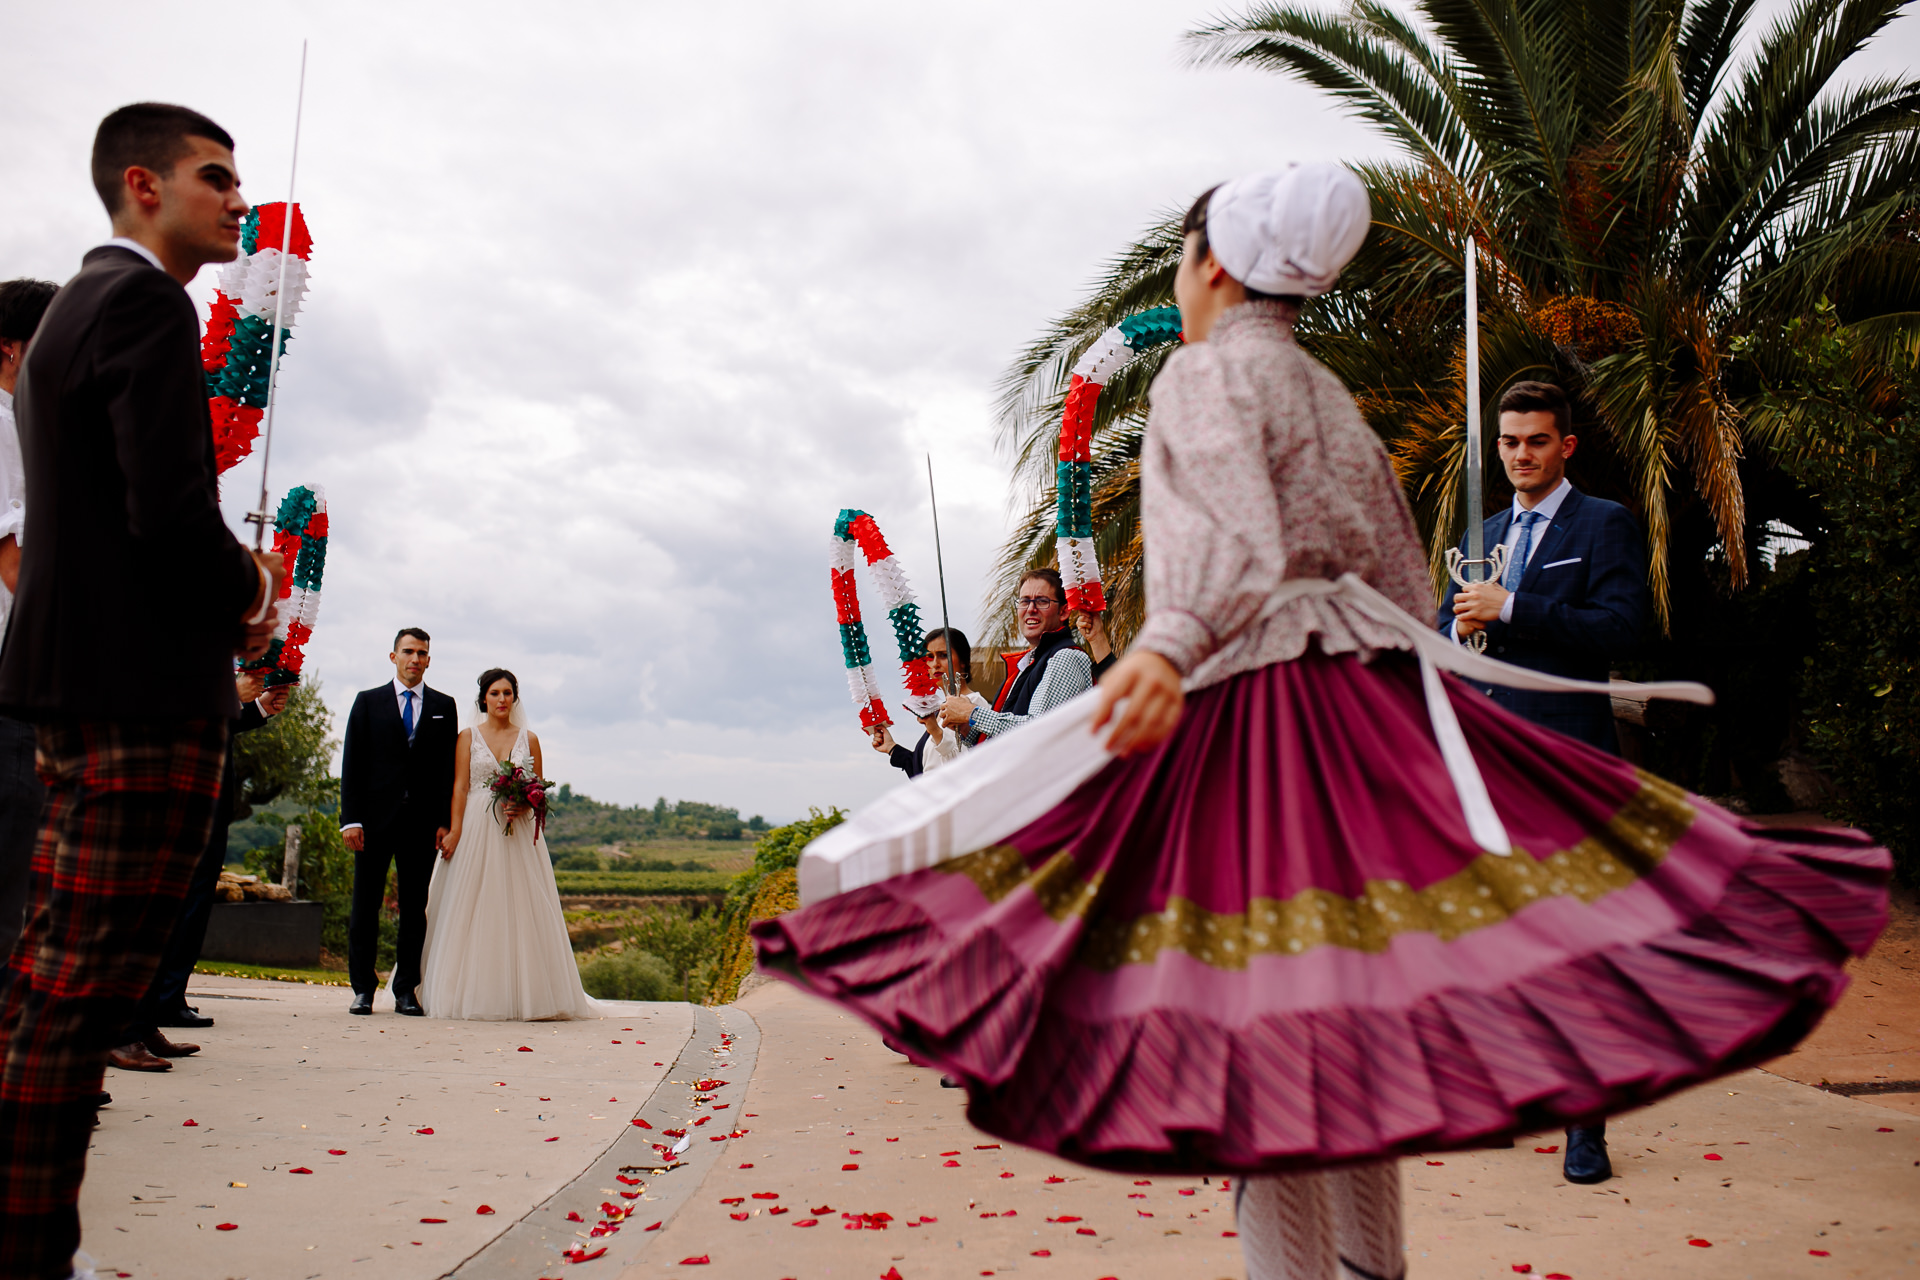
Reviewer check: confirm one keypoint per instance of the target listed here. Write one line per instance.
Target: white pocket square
(443, 717)
(1557, 563)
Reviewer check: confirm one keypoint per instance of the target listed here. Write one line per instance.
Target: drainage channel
(541, 1239)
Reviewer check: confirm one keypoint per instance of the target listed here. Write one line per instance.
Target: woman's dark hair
(489, 678)
(22, 303)
(958, 650)
(1196, 220)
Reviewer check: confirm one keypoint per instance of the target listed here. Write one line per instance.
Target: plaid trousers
(130, 806)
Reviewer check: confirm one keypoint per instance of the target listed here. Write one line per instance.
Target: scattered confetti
(1007, 1174)
(1701, 1244)
(746, 1166)
(1043, 1253)
(1436, 1162)
(739, 1217)
(1055, 1179)
(484, 1210)
(1713, 1155)
(190, 1124)
(1523, 1268)
(434, 1221)
(1085, 1231)
(766, 1195)
(1140, 1182)
(641, 1124)
(1065, 1217)
(1187, 1191)
(1883, 1129)
(524, 1049)
(1230, 1234)
(555, 1139)
(779, 1209)
(625, 1180)
(226, 1226)
(655, 1227)
(1819, 1253)
(848, 1168)
(893, 1273)
(335, 1151)
(300, 1170)
(986, 1146)
(1546, 1151)
(423, 1133)
(577, 1254)
(734, 1200)
(574, 1217)
(825, 1208)
(951, 1164)
(807, 1222)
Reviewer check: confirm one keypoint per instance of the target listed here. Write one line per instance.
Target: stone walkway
(462, 1149)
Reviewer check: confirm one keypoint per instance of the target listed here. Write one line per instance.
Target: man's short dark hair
(415, 632)
(1049, 576)
(22, 303)
(152, 135)
(1540, 397)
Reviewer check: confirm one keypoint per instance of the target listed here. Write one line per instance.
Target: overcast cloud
(614, 306)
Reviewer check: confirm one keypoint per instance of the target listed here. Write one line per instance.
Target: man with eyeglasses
(1052, 671)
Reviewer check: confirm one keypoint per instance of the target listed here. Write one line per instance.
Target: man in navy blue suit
(1573, 598)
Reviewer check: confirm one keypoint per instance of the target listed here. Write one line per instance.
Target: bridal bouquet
(513, 784)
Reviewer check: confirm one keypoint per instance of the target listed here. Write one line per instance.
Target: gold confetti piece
(236, 1184)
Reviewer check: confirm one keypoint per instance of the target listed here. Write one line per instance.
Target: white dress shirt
(13, 493)
(948, 749)
(121, 242)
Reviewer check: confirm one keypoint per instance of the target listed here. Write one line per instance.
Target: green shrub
(641, 884)
(628, 975)
(582, 860)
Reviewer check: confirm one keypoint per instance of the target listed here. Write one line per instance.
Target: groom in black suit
(396, 798)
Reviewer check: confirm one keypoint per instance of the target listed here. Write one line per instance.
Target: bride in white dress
(496, 947)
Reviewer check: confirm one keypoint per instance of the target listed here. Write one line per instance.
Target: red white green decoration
(1073, 478)
(237, 349)
(299, 535)
(856, 537)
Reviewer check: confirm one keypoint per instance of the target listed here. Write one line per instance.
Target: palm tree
(1652, 190)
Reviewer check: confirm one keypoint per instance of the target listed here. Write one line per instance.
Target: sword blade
(940, 566)
(259, 517)
(1475, 459)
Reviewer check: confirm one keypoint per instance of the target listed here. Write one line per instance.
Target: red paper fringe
(235, 428)
(920, 681)
(273, 227)
(874, 714)
(1089, 598)
(1076, 421)
(867, 534)
(846, 600)
(219, 337)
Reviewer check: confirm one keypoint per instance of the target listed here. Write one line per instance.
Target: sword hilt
(1496, 566)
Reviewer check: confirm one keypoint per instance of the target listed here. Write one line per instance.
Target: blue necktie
(406, 714)
(1517, 562)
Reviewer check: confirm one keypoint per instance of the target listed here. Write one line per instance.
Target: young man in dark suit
(1573, 598)
(134, 598)
(396, 801)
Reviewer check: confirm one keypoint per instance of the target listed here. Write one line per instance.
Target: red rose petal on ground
(949, 1153)
(1546, 1151)
(655, 1227)
(739, 1217)
(484, 1210)
(1713, 1155)
(625, 1180)
(856, 1153)
(616, 1042)
(524, 1049)
(1229, 1234)
(1043, 1253)
(1436, 1162)
(1187, 1191)
(734, 1200)
(893, 1139)
(226, 1226)
(1066, 1217)
(1556, 1275)
(546, 1099)
(1883, 1129)
(435, 1221)
(300, 1170)
(641, 1124)
(1007, 1174)
(189, 1124)
(1818, 1253)
(659, 1064)
(585, 1257)
(1524, 1268)
(848, 1168)
(1143, 1213)
(629, 1195)
(825, 1208)
(1085, 1231)
(986, 1146)
(893, 1273)
(335, 1151)
(950, 1164)
(423, 1133)
(1701, 1244)
(1143, 1182)
(543, 1139)
(1053, 1179)
(807, 1222)
(746, 1166)
(766, 1195)
(698, 1260)
(778, 1209)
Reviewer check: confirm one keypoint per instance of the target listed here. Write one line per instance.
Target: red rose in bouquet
(513, 784)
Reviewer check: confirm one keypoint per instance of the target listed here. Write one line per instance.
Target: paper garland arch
(236, 351)
(299, 535)
(856, 537)
(1073, 477)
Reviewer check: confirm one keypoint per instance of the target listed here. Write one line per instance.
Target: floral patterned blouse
(1257, 468)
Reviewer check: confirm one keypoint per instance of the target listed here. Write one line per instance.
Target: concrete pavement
(820, 1123)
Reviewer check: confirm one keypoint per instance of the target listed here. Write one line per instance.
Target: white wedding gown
(497, 947)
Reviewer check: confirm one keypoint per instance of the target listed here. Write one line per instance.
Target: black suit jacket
(1582, 603)
(131, 585)
(384, 781)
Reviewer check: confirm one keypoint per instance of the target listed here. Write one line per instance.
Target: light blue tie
(1517, 562)
(406, 714)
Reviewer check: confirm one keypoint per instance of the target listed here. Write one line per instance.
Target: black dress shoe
(362, 1002)
(409, 1005)
(100, 1100)
(185, 1017)
(1586, 1161)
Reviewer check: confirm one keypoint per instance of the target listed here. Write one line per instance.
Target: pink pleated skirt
(1272, 944)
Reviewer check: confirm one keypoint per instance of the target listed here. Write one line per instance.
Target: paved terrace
(304, 1144)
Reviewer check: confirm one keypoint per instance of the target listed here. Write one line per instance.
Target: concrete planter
(272, 933)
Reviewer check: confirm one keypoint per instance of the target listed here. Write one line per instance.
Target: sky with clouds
(614, 306)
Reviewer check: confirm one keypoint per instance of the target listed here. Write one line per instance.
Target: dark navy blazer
(1582, 603)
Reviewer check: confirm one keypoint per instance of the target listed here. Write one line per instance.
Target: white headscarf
(1290, 231)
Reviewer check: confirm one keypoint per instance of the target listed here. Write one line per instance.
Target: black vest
(1021, 696)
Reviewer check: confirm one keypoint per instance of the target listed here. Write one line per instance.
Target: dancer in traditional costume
(1328, 905)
